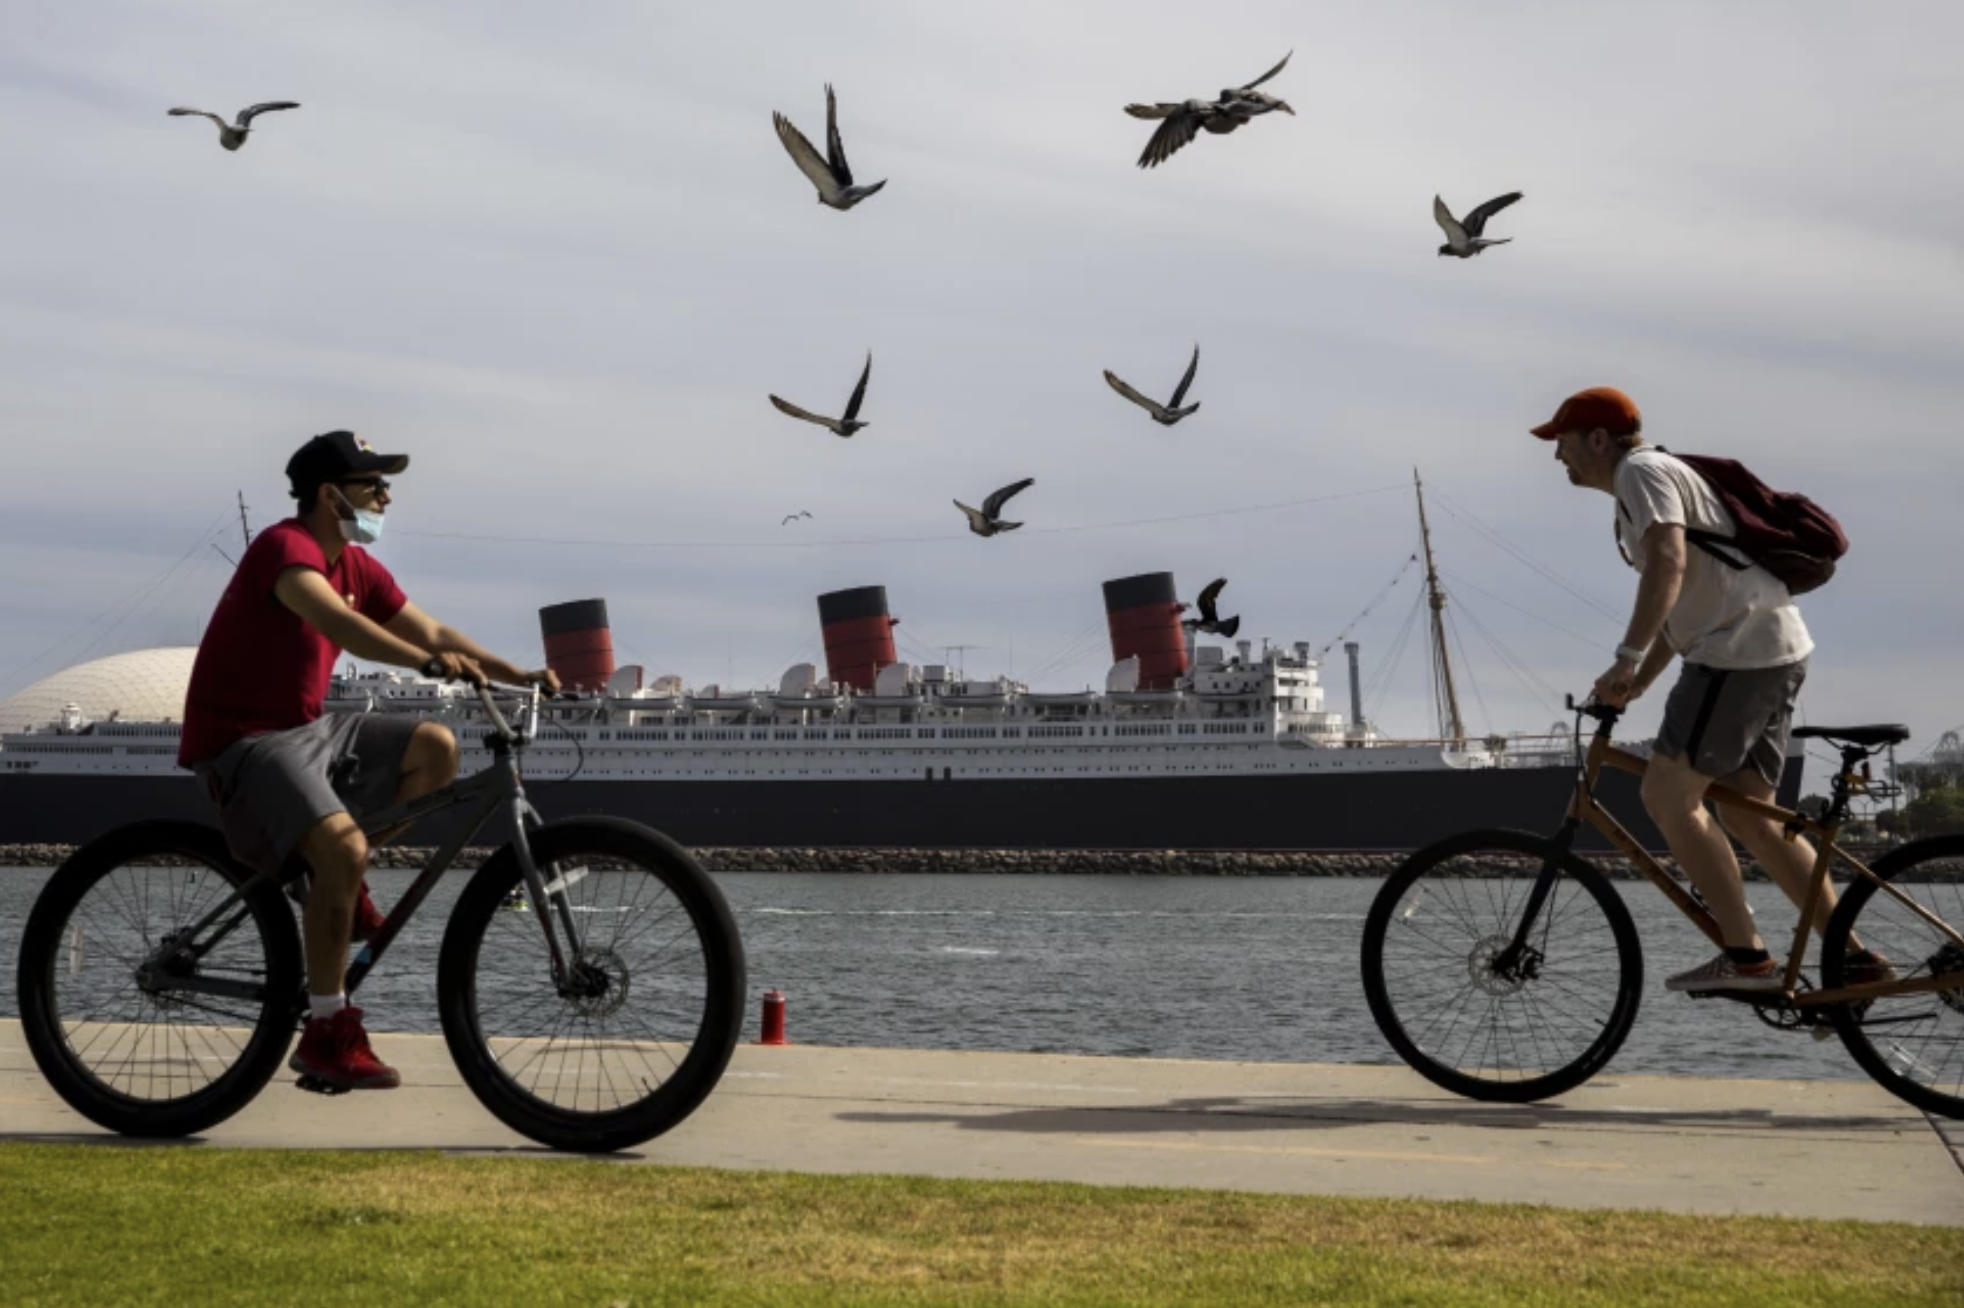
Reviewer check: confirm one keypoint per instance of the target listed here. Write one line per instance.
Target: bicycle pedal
(314, 1085)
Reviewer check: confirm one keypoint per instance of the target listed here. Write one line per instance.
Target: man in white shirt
(1745, 654)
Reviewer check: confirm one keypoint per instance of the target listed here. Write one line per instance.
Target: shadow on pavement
(1228, 1114)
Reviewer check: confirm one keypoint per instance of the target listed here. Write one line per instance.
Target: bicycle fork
(1519, 960)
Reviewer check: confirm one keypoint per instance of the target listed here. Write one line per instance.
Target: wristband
(1630, 654)
(432, 668)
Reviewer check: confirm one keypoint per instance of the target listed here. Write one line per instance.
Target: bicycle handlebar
(1606, 714)
(531, 695)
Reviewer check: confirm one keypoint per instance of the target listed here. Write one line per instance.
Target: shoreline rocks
(985, 862)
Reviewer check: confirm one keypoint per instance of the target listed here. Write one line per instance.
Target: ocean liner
(1187, 747)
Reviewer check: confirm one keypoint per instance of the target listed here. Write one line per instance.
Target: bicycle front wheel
(144, 1023)
(1468, 1017)
(1912, 1044)
(639, 1029)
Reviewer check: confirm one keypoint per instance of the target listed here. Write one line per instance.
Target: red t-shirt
(261, 667)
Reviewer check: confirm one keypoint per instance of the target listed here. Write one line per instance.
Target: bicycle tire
(1528, 1060)
(704, 974)
(58, 946)
(1913, 1045)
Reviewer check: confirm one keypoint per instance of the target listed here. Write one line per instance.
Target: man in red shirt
(292, 780)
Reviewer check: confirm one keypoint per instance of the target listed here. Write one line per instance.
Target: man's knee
(336, 848)
(433, 753)
(1672, 790)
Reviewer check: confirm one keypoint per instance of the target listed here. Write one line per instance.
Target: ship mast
(1445, 699)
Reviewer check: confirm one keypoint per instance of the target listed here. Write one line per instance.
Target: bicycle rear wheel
(1913, 1045)
(640, 1031)
(107, 966)
(1515, 1034)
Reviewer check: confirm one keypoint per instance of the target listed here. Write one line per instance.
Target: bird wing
(1178, 129)
(785, 406)
(789, 517)
(1226, 629)
(835, 148)
(1249, 86)
(1180, 392)
(1113, 380)
(859, 391)
(1455, 234)
(247, 115)
(802, 153)
(1159, 110)
(1476, 221)
(198, 113)
(976, 519)
(993, 505)
(1207, 597)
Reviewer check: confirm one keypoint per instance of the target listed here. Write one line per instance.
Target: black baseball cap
(336, 456)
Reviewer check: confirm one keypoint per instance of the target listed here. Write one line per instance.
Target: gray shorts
(272, 789)
(1723, 719)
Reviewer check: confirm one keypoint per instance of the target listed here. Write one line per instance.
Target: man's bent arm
(414, 625)
(309, 595)
(1657, 591)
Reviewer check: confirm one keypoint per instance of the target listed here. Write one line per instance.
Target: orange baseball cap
(1599, 406)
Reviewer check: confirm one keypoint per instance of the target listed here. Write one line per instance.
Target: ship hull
(1386, 811)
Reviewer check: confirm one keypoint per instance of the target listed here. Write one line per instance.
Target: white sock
(323, 1007)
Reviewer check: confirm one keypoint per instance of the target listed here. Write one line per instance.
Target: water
(1261, 969)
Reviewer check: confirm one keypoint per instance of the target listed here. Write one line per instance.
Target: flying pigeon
(1182, 119)
(1463, 239)
(1210, 620)
(987, 520)
(845, 426)
(233, 135)
(1163, 414)
(830, 174)
(793, 517)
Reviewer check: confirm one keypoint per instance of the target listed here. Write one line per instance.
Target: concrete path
(1840, 1149)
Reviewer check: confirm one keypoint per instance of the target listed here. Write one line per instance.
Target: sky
(560, 258)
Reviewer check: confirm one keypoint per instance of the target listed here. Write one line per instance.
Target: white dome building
(145, 685)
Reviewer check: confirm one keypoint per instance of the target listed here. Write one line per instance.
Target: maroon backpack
(1784, 532)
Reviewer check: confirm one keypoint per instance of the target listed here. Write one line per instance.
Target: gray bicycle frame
(498, 786)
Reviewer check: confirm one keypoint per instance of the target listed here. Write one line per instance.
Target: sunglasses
(373, 485)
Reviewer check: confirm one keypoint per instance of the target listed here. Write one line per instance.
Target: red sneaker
(335, 1050)
(368, 918)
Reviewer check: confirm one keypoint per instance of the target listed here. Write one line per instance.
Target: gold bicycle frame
(1585, 807)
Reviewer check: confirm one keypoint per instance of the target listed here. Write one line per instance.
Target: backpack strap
(1708, 541)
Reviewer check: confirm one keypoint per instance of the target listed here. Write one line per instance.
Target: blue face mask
(365, 528)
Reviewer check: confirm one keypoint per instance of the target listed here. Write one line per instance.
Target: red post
(773, 1028)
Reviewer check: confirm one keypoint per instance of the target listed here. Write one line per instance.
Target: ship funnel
(1144, 619)
(1356, 686)
(579, 644)
(858, 635)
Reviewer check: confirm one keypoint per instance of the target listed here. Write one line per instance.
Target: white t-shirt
(1724, 617)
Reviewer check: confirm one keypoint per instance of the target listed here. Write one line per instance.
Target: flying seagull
(793, 517)
(233, 135)
(987, 520)
(1163, 414)
(830, 173)
(845, 426)
(1210, 620)
(1181, 120)
(1463, 239)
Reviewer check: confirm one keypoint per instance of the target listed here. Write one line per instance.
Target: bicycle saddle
(1877, 734)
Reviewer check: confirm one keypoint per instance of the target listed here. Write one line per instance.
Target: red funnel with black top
(579, 644)
(1143, 616)
(858, 635)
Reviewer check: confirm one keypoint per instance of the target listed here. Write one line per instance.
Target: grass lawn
(113, 1225)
